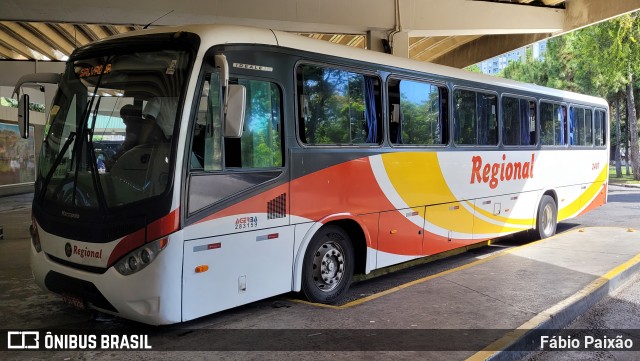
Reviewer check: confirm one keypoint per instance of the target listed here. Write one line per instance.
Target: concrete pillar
(400, 45)
(375, 40)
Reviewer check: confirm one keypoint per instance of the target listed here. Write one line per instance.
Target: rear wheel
(328, 265)
(547, 219)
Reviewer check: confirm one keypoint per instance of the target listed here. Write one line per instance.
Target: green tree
(473, 68)
(600, 60)
(611, 56)
(602, 75)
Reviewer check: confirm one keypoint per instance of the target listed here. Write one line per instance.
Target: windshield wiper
(56, 162)
(85, 139)
(95, 174)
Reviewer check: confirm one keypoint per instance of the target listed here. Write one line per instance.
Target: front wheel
(328, 265)
(547, 219)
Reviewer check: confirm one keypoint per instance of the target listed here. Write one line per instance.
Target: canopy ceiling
(451, 32)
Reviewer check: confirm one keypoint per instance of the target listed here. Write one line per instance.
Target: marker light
(202, 268)
(140, 258)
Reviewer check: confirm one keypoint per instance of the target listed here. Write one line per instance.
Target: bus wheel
(328, 265)
(547, 218)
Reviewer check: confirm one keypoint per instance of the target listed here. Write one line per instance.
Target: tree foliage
(601, 60)
(473, 68)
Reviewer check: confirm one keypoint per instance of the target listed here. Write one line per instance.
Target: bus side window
(475, 118)
(518, 121)
(261, 143)
(393, 95)
(580, 126)
(338, 107)
(552, 124)
(533, 131)
(600, 128)
(418, 113)
(588, 127)
(206, 146)
(394, 125)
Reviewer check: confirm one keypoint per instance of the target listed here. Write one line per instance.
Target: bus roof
(228, 34)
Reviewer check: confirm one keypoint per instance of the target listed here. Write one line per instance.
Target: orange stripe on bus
(126, 245)
(164, 226)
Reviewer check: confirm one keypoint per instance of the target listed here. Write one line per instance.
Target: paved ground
(619, 312)
(486, 292)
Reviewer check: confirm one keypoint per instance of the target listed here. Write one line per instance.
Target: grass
(626, 178)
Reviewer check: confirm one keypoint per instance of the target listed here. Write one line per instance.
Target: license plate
(74, 301)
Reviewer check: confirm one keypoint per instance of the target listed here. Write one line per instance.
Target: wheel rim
(328, 266)
(547, 219)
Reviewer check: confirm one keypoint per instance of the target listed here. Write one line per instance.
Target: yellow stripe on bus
(578, 204)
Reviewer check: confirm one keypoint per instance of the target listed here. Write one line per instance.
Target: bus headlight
(35, 237)
(141, 257)
(146, 255)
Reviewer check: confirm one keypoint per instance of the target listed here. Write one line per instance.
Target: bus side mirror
(234, 118)
(23, 116)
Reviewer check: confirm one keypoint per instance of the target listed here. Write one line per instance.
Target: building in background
(495, 65)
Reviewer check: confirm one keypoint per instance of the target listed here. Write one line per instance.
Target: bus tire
(328, 265)
(547, 219)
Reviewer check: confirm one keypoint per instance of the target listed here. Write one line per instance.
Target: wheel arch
(546, 192)
(536, 232)
(358, 234)
(552, 193)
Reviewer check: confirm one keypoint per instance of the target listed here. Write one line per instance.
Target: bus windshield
(109, 134)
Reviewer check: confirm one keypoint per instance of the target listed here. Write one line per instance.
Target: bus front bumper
(152, 295)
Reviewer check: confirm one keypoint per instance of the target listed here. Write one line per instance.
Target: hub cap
(328, 266)
(547, 219)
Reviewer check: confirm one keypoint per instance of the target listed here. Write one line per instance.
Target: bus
(253, 163)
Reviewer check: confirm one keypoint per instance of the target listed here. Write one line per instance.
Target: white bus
(188, 170)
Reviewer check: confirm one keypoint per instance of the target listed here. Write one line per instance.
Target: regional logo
(67, 249)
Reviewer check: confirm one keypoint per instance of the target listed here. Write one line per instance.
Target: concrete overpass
(37, 36)
(451, 32)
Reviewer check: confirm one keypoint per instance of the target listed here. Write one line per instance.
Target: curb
(519, 343)
(625, 185)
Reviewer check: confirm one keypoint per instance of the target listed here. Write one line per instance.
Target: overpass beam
(463, 17)
(418, 17)
(486, 47)
(581, 13)
(400, 45)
